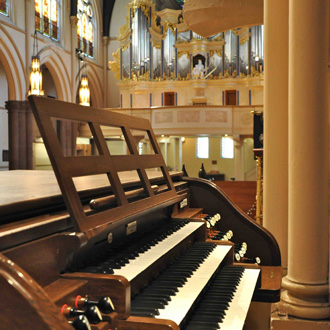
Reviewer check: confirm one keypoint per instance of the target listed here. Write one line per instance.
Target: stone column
(74, 64)
(275, 191)
(67, 135)
(20, 135)
(307, 283)
(239, 170)
(105, 70)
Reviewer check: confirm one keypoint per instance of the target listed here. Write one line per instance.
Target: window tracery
(46, 17)
(4, 7)
(85, 27)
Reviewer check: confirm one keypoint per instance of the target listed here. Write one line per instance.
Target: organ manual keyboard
(123, 244)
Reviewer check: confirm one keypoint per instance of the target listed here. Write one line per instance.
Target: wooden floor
(242, 193)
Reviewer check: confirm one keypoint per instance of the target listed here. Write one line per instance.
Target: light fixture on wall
(84, 91)
(35, 73)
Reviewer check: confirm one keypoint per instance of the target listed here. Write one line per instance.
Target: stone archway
(19, 113)
(3, 119)
(58, 72)
(13, 67)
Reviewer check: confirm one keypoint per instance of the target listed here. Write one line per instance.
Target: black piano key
(143, 314)
(173, 277)
(135, 244)
(207, 317)
(225, 295)
(219, 300)
(156, 289)
(167, 287)
(224, 289)
(146, 309)
(155, 304)
(180, 272)
(150, 299)
(213, 306)
(206, 324)
(212, 314)
(178, 282)
(108, 271)
(225, 284)
(160, 295)
(215, 301)
(200, 327)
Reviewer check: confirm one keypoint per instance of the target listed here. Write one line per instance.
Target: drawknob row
(239, 249)
(86, 311)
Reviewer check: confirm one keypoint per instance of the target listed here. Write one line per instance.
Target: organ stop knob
(81, 323)
(92, 313)
(105, 304)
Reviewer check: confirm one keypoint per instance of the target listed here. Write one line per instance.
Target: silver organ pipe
(140, 42)
(169, 53)
(242, 52)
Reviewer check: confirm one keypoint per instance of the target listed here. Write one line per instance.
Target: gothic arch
(95, 87)
(58, 70)
(13, 66)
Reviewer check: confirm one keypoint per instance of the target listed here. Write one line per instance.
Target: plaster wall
(40, 157)
(193, 164)
(119, 13)
(249, 161)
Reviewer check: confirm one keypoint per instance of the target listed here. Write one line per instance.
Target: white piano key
(144, 260)
(180, 304)
(239, 306)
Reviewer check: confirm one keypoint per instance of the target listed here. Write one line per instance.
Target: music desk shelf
(188, 213)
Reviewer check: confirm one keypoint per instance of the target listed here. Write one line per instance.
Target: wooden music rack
(67, 168)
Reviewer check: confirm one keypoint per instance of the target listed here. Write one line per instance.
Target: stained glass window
(37, 15)
(46, 17)
(54, 20)
(4, 7)
(85, 27)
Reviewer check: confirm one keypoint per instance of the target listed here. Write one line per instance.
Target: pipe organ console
(149, 250)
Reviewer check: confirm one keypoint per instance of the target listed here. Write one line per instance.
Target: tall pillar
(275, 190)
(20, 135)
(307, 284)
(105, 70)
(74, 69)
(238, 160)
(67, 134)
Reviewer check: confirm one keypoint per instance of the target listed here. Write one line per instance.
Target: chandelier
(35, 73)
(84, 92)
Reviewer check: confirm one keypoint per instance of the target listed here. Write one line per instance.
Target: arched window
(85, 28)
(4, 7)
(46, 17)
